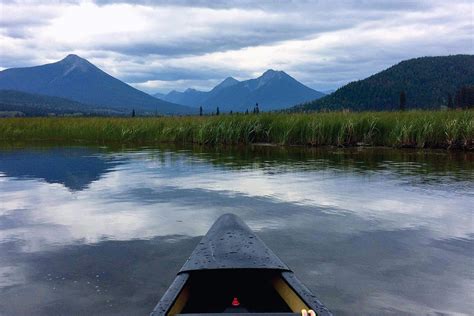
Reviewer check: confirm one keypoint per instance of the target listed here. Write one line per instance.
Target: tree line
(463, 99)
(256, 110)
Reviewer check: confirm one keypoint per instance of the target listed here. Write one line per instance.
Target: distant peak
(227, 82)
(230, 80)
(73, 58)
(273, 73)
(270, 71)
(73, 62)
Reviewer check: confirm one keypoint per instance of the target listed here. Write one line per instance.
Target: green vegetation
(17, 103)
(423, 129)
(464, 97)
(426, 82)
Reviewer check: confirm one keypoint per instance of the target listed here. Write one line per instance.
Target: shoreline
(449, 130)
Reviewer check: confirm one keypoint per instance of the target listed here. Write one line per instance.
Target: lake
(103, 230)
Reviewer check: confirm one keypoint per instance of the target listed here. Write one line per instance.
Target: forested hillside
(426, 82)
(28, 104)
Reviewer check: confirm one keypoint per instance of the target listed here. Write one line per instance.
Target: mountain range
(75, 86)
(77, 79)
(428, 82)
(273, 90)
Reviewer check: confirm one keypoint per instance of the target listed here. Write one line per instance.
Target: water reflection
(73, 167)
(377, 231)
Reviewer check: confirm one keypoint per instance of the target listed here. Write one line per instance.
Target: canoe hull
(231, 264)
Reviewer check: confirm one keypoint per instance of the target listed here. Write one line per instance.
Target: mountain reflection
(74, 167)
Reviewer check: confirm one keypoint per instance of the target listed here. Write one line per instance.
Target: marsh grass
(423, 129)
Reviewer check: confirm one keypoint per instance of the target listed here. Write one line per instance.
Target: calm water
(89, 230)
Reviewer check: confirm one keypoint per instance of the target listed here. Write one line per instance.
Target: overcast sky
(162, 45)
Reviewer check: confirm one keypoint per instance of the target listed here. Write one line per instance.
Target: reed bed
(423, 129)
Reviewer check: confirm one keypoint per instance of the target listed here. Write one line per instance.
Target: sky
(161, 45)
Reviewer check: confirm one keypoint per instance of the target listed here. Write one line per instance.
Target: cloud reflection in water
(377, 239)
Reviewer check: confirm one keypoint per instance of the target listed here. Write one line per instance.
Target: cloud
(170, 44)
(384, 5)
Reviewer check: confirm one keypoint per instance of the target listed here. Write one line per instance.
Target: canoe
(232, 271)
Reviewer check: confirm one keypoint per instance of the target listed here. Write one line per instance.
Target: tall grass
(425, 129)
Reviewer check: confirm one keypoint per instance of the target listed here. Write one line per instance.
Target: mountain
(77, 79)
(159, 95)
(189, 97)
(428, 82)
(193, 97)
(228, 82)
(28, 104)
(272, 91)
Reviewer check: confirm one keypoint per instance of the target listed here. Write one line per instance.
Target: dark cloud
(233, 36)
(276, 5)
(206, 44)
(53, 2)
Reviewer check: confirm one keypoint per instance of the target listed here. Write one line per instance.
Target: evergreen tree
(469, 96)
(230, 112)
(133, 113)
(465, 97)
(403, 101)
(246, 111)
(458, 99)
(257, 110)
(200, 111)
(450, 101)
(217, 111)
